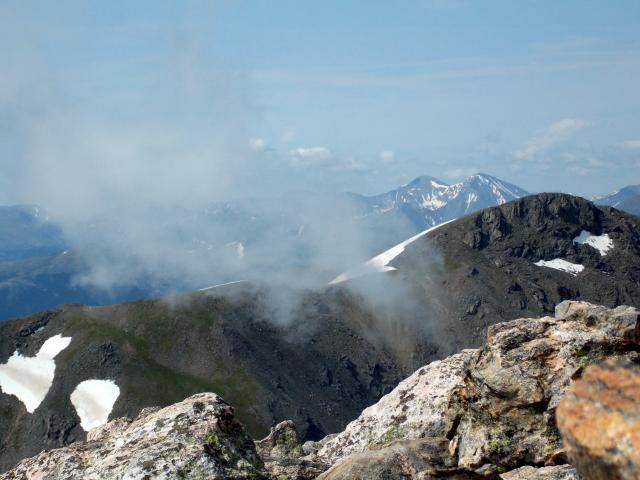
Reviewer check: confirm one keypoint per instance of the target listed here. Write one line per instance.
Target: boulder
(284, 455)
(420, 406)
(196, 438)
(599, 419)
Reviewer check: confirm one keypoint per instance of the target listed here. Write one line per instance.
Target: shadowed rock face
(196, 438)
(599, 420)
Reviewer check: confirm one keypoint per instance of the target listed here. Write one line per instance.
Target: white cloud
(257, 144)
(387, 156)
(460, 173)
(551, 136)
(310, 156)
(631, 145)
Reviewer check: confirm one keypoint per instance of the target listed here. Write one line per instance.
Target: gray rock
(557, 472)
(419, 459)
(196, 438)
(283, 454)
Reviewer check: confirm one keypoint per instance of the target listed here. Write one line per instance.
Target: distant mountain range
(254, 238)
(627, 199)
(27, 231)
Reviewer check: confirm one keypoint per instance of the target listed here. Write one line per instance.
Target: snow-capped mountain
(427, 201)
(627, 198)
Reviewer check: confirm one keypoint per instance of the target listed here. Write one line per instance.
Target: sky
(191, 102)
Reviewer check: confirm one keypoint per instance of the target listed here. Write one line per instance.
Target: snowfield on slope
(30, 378)
(380, 263)
(602, 243)
(93, 401)
(562, 265)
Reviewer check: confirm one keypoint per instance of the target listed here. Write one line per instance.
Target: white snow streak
(380, 263)
(562, 265)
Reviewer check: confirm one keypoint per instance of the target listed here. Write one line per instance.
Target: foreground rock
(559, 472)
(285, 457)
(599, 419)
(196, 438)
(485, 411)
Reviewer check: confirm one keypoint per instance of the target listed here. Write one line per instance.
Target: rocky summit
(483, 413)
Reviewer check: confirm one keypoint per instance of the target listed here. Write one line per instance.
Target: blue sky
(249, 97)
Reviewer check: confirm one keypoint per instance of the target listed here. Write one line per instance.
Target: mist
(160, 186)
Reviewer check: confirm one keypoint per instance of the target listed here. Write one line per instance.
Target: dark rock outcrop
(489, 259)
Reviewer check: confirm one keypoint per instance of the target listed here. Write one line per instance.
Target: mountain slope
(490, 264)
(630, 204)
(320, 370)
(319, 357)
(616, 198)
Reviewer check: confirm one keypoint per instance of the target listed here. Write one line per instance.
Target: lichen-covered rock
(508, 403)
(556, 472)
(196, 438)
(495, 406)
(420, 406)
(284, 455)
(599, 419)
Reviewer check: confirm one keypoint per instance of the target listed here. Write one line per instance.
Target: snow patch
(30, 378)
(562, 265)
(93, 401)
(380, 263)
(602, 243)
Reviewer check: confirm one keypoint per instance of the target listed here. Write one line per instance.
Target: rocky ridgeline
(483, 413)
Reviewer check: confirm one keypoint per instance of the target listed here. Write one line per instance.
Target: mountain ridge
(343, 345)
